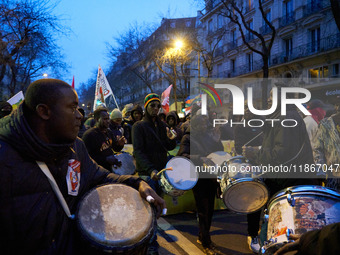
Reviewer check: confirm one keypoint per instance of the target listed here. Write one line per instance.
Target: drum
(242, 192)
(114, 218)
(128, 164)
(219, 157)
(299, 209)
(181, 178)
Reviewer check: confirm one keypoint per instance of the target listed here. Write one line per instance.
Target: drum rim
(167, 177)
(318, 190)
(238, 181)
(101, 246)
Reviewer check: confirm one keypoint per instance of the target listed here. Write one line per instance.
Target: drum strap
(159, 140)
(55, 188)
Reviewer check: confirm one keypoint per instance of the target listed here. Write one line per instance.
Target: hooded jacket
(127, 124)
(30, 212)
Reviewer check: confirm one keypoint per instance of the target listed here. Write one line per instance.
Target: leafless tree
(27, 41)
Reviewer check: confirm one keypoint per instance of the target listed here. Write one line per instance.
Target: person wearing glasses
(151, 140)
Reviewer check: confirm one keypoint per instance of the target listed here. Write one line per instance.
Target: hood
(173, 114)
(15, 131)
(136, 108)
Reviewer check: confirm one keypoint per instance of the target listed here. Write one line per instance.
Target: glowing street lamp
(179, 44)
(45, 75)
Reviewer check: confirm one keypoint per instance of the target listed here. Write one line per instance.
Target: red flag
(165, 99)
(73, 82)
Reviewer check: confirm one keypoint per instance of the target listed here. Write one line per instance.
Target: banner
(165, 99)
(16, 100)
(73, 82)
(103, 90)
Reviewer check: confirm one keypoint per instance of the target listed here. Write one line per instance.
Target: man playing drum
(151, 140)
(44, 130)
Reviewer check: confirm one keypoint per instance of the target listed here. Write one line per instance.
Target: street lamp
(179, 44)
(45, 75)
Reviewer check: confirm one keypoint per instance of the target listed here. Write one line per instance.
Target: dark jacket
(175, 127)
(324, 241)
(127, 124)
(244, 135)
(30, 213)
(100, 145)
(150, 152)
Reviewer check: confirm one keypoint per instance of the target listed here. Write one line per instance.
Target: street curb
(178, 238)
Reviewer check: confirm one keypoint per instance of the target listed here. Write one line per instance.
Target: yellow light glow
(178, 44)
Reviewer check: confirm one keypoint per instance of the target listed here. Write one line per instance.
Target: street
(177, 233)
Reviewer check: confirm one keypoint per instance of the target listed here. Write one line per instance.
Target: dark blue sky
(95, 22)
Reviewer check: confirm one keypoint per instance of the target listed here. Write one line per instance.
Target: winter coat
(31, 217)
(150, 152)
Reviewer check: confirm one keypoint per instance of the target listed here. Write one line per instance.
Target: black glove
(112, 160)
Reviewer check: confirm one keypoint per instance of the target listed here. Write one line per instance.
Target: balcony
(232, 45)
(317, 47)
(312, 8)
(287, 19)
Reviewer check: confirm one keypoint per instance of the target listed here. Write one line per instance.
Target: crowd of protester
(41, 129)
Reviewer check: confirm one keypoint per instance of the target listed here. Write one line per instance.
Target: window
(318, 72)
(210, 26)
(233, 36)
(232, 63)
(288, 8)
(288, 47)
(315, 39)
(219, 70)
(250, 62)
(249, 35)
(173, 24)
(249, 5)
(219, 21)
(188, 23)
(336, 71)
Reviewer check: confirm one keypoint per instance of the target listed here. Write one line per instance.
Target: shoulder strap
(55, 188)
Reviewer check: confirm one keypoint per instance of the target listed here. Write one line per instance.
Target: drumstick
(169, 168)
(252, 139)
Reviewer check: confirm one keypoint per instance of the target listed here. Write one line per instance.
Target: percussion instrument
(128, 164)
(298, 209)
(114, 218)
(242, 192)
(219, 157)
(181, 178)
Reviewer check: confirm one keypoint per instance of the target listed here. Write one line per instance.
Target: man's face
(104, 120)
(171, 121)
(117, 121)
(153, 108)
(137, 115)
(65, 118)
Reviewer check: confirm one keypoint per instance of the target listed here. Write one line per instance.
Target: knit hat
(116, 114)
(151, 97)
(127, 109)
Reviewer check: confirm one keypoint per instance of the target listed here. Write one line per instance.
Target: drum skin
(299, 209)
(128, 164)
(115, 218)
(242, 192)
(181, 178)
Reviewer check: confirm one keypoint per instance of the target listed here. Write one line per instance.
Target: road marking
(178, 238)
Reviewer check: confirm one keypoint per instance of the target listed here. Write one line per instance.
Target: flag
(16, 99)
(165, 99)
(73, 82)
(103, 90)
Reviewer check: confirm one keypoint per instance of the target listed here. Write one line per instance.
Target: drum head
(245, 195)
(115, 216)
(128, 164)
(183, 175)
(218, 157)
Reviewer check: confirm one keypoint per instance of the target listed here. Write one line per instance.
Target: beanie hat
(151, 97)
(116, 114)
(127, 109)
